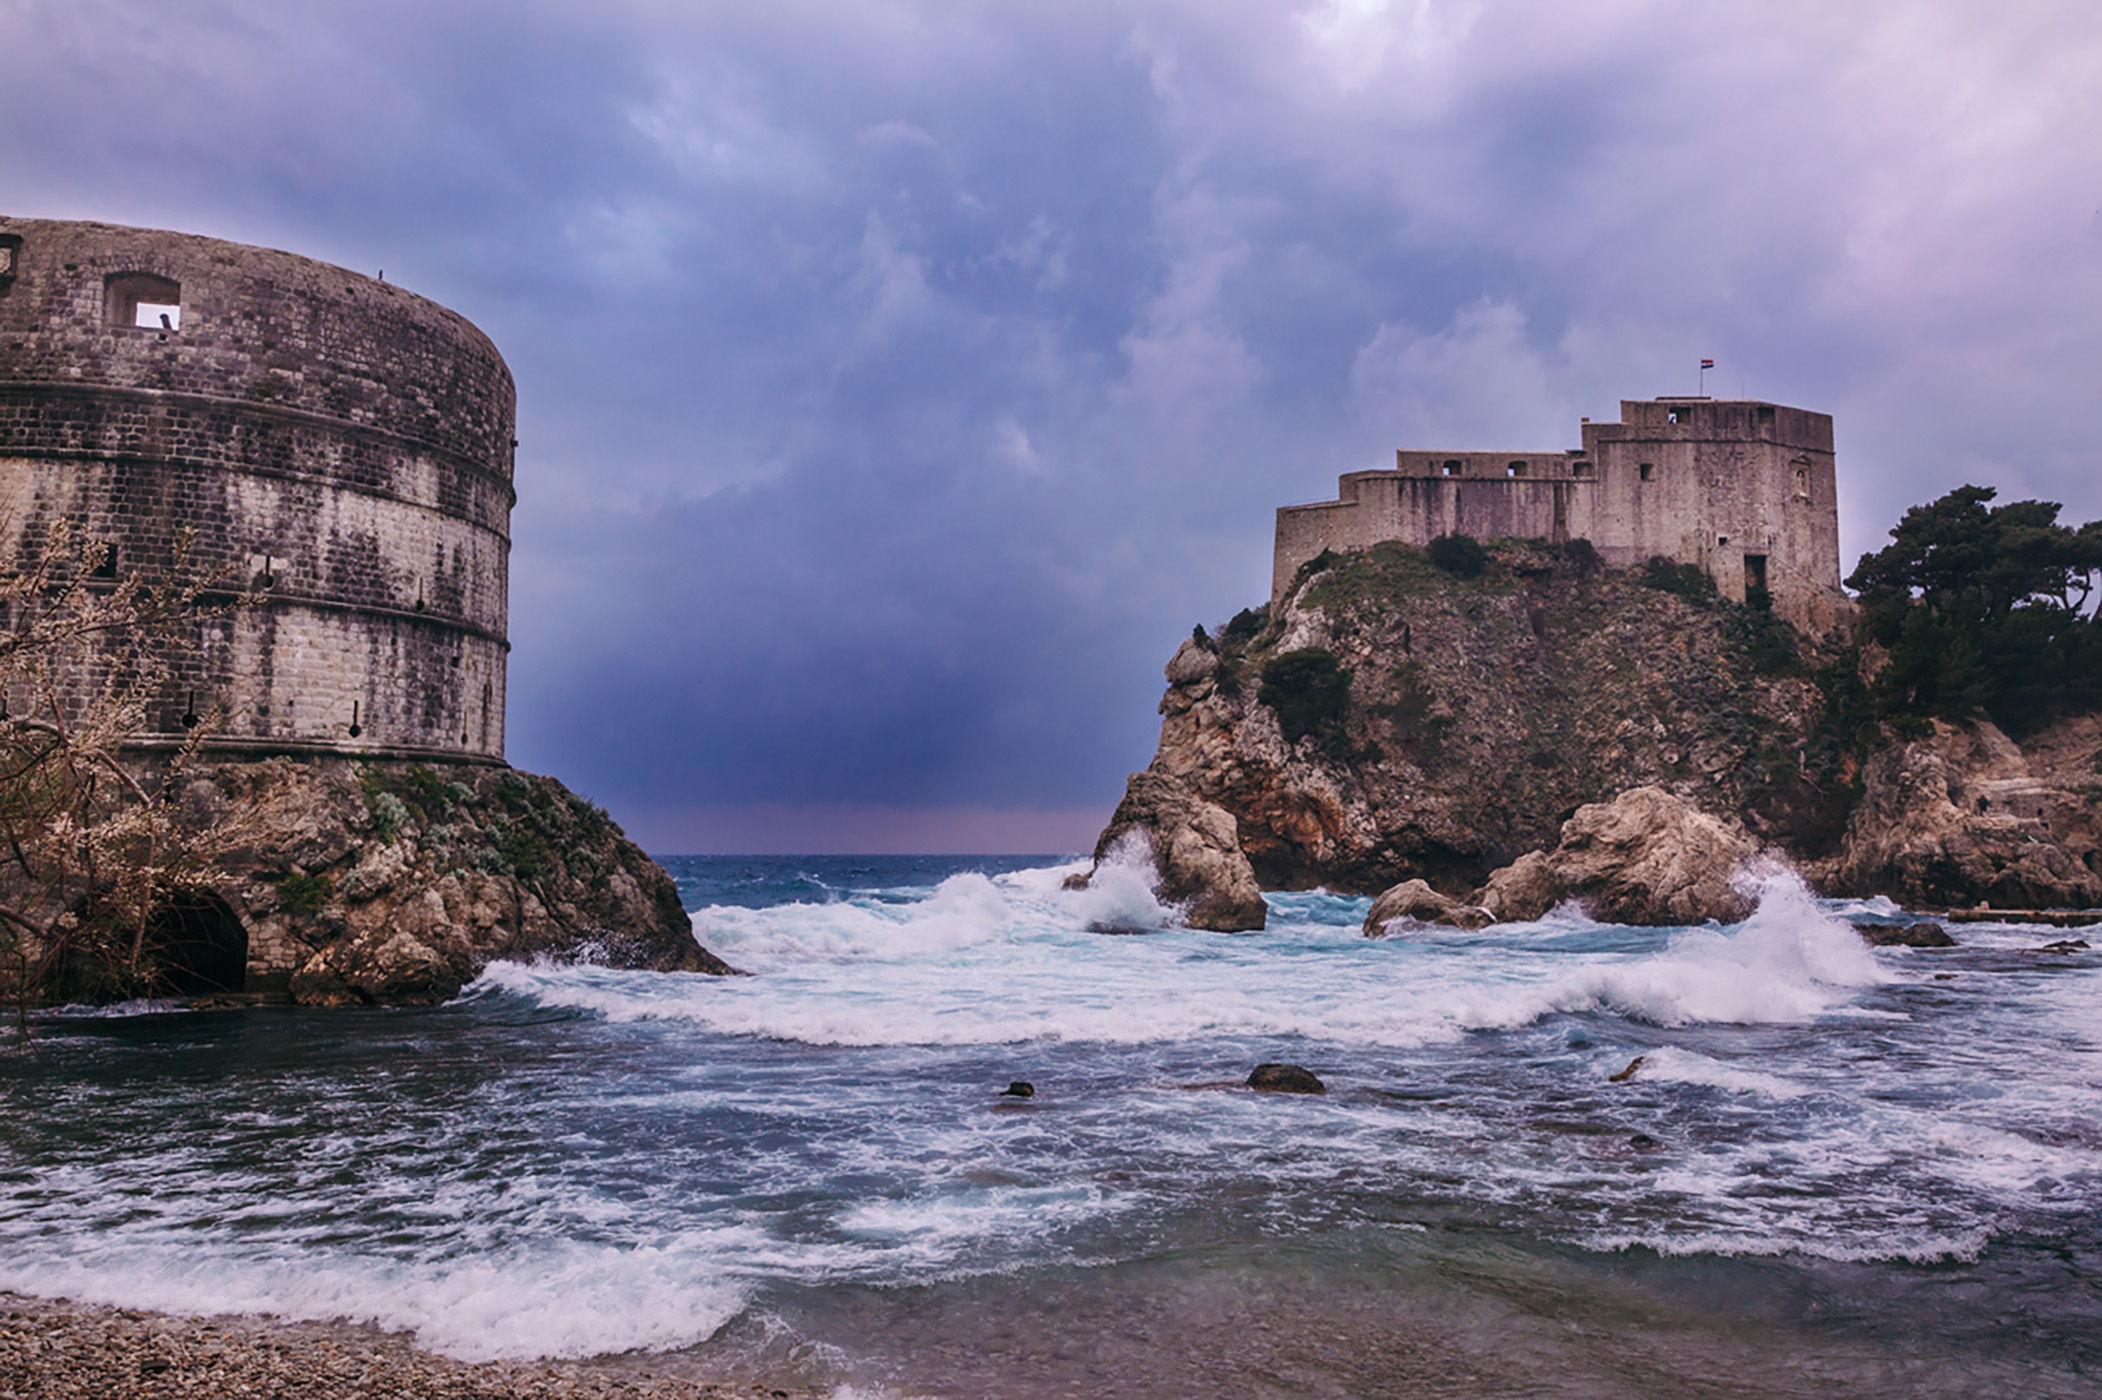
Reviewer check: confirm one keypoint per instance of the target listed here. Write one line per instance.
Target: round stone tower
(340, 448)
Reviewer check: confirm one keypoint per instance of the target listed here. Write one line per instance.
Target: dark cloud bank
(898, 382)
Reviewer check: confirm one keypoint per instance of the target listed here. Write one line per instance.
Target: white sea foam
(963, 910)
(986, 963)
(682, 1153)
(1674, 1065)
(554, 1300)
(1789, 961)
(1124, 892)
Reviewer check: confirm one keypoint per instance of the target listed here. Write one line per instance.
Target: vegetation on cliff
(1983, 610)
(1434, 713)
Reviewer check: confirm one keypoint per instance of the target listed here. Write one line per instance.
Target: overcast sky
(899, 382)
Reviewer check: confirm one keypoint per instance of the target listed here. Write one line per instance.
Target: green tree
(1984, 609)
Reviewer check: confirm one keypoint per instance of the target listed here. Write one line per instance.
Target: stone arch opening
(199, 945)
(142, 299)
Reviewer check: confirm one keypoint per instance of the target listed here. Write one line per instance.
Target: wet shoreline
(58, 1349)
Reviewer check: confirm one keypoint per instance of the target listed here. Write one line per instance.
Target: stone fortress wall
(1744, 489)
(342, 449)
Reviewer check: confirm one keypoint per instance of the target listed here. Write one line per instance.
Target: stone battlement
(1743, 489)
(339, 447)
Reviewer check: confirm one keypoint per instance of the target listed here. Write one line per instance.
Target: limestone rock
(1193, 661)
(395, 883)
(1481, 714)
(1414, 899)
(1959, 817)
(1195, 850)
(1646, 857)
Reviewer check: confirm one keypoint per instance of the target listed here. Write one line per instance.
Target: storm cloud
(898, 382)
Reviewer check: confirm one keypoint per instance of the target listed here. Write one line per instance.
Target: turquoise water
(1839, 1170)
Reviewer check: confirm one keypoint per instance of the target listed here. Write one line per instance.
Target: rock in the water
(2065, 945)
(1629, 1073)
(1415, 899)
(1922, 934)
(1964, 816)
(397, 883)
(1646, 857)
(1020, 1089)
(1196, 852)
(1285, 1079)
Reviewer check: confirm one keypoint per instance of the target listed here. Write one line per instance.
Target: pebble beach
(57, 1349)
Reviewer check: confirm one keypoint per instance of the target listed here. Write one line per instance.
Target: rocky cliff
(1396, 720)
(397, 883)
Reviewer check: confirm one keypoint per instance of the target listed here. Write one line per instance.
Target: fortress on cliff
(341, 448)
(1743, 489)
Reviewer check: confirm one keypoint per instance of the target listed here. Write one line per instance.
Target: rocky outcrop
(397, 883)
(1443, 726)
(1195, 849)
(1414, 901)
(1475, 715)
(1646, 857)
(1963, 815)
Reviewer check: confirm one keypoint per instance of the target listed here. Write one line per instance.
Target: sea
(1836, 1170)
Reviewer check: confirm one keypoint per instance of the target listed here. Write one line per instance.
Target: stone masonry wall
(339, 449)
(1745, 490)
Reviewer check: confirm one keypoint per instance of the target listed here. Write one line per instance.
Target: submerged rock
(1285, 1079)
(1415, 899)
(1646, 857)
(1020, 1089)
(1923, 934)
(1195, 849)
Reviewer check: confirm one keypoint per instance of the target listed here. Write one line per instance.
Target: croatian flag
(1707, 364)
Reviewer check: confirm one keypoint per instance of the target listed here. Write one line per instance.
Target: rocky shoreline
(56, 1349)
(1392, 727)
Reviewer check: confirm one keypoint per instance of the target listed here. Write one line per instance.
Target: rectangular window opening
(142, 299)
(1646, 468)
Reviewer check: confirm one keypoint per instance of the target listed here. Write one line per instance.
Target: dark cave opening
(199, 947)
